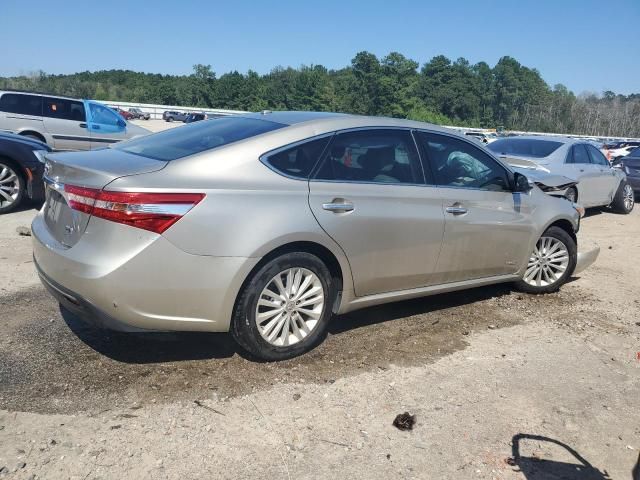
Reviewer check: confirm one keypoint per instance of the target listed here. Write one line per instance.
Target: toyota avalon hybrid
(267, 224)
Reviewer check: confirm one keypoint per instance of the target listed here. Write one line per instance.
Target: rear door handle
(83, 125)
(456, 210)
(338, 207)
(95, 127)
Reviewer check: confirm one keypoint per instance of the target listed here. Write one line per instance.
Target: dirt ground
(503, 385)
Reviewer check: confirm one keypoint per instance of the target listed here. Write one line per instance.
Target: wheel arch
(339, 272)
(34, 133)
(565, 225)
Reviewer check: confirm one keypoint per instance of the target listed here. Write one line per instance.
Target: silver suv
(64, 123)
(267, 224)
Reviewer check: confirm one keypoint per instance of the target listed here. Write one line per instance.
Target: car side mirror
(522, 183)
(122, 123)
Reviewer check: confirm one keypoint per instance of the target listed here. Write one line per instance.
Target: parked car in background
(173, 116)
(482, 136)
(136, 113)
(268, 224)
(124, 114)
(63, 123)
(195, 117)
(21, 169)
(598, 183)
(613, 151)
(630, 165)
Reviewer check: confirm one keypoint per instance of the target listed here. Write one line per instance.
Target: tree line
(440, 91)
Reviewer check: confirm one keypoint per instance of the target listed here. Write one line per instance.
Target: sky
(586, 45)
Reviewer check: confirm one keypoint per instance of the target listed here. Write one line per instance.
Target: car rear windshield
(196, 137)
(526, 147)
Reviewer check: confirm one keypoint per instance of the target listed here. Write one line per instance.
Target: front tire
(12, 187)
(551, 263)
(624, 200)
(284, 309)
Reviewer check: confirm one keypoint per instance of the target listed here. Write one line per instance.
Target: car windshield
(196, 137)
(526, 147)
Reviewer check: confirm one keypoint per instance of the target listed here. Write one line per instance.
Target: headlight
(40, 155)
(579, 209)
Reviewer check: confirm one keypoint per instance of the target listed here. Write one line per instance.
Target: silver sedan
(599, 184)
(265, 225)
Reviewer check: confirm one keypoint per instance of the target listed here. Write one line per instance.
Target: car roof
(40, 94)
(329, 120)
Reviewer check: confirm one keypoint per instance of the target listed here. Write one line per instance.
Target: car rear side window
(526, 147)
(578, 154)
(596, 156)
(196, 137)
(299, 160)
(21, 104)
(63, 108)
(372, 156)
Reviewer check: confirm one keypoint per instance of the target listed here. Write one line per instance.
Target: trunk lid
(94, 170)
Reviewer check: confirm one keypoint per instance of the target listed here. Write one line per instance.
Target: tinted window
(578, 154)
(527, 147)
(456, 163)
(22, 104)
(380, 156)
(196, 137)
(64, 109)
(596, 156)
(298, 161)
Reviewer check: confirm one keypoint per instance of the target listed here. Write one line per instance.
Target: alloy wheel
(547, 263)
(9, 186)
(628, 198)
(290, 307)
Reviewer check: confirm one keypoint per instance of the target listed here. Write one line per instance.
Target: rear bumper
(129, 279)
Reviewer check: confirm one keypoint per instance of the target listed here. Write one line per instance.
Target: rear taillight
(155, 212)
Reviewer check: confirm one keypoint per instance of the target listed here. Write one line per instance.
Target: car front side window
(103, 115)
(456, 163)
(372, 156)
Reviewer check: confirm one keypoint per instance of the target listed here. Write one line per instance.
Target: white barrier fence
(156, 111)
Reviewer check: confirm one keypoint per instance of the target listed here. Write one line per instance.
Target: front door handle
(83, 125)
(338, 207)
(456, 210)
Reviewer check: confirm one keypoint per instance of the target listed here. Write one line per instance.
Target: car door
(488, 227)
(66, 122)
(105, 125)
(606, 181)
(578, 166)
(369, 195)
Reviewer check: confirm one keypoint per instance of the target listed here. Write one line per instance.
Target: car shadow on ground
(140, 348)
(537, 468)
(419, 306)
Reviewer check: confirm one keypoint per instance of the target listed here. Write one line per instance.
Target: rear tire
(295, 307)
(551, 263)
(624, 199)
(170, 119)
(12, 187)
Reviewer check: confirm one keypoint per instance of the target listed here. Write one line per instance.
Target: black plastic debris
(404, 421)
